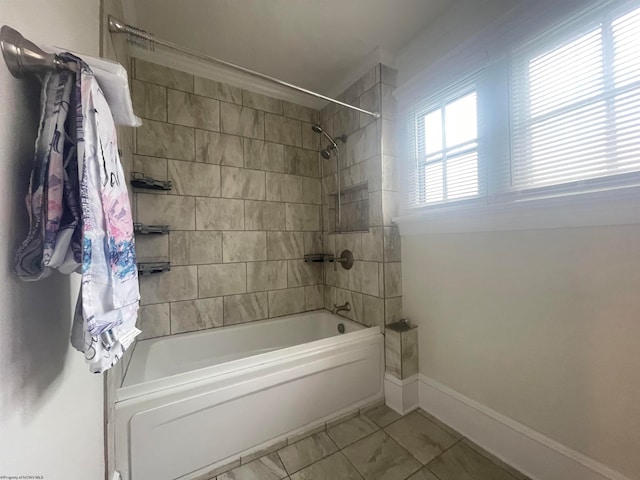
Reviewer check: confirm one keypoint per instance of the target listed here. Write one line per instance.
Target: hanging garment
(53, 241)
(109, 296)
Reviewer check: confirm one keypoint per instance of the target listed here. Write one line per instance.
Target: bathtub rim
(211, 372)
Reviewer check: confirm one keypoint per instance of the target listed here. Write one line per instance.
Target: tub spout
(341, 308)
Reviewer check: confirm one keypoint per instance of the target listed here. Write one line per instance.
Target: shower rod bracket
(118, 26)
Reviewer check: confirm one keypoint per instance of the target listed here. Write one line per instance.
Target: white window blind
(443, 136)
(575, 116)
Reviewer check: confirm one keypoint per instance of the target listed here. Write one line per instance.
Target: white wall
(542, 326)
(51, 409)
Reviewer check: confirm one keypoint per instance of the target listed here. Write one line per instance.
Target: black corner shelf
(149, 268)
(319, 257)
(142, 229)
(140, 180)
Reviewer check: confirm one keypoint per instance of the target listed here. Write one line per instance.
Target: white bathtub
(196, 401)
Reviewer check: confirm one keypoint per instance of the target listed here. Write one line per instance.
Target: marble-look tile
(152, 248)
(392, 279)
(195, 247)
(158, 139)
(363, 278)
(261, 102)
(286, 302)
(284, 188)
(242, 183)
(383, 415)
(243, 121)
(161, 75)
(372, 245)
(301, 274)
(193, 110)
(149, 101)
(299, 161)
(349, 241)
(392, 310)
(313, 242)
(335, 466)
(262, 155)
(364, 83)
(302, 217)
(196, 179)
(221, 279)
(389, 104)
(423, 474)
(311, 190)
(181, 283)
(393, 352)
(370, 100)
(439, 423)
(245, 308)
(336, 276)
(262, 276)
(273, 447)
(392, 245)
(423, 439)
(389, 138)
(176, 211)
(310, 139)
(461, 462)
(314, 297)
(388, 75)
(372, 310)
(154, 321)
(220, 91)
(346, 122)
(285, 245)
(410, 358)
(300, 112)
(219, 214)
(379, 457)
(218, 148)
(264, 215)
(268, 467)
(478, 449)
(296, 437)
(196, 315)
(153, 167)
(245, 246)
(351, 431)
(305, 452)
(342, 418)
(211, 474)
(283, 130)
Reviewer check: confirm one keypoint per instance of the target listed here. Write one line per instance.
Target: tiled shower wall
(368, 168)
(244, 209)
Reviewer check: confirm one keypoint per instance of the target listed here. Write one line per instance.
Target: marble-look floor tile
(423, 439)
(439, 423)
(266, 468)
(305, 452)
(383, 415)
(478, 449)
(423, 474)
(333, 467)
(379, 457)
(352, 430)
(462, 463)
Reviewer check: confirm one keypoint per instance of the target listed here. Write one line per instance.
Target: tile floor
(379, 444)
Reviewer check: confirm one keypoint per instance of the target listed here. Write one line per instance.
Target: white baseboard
(401, 395)
(537, 456)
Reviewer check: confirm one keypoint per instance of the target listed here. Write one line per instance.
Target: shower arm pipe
(118, 26)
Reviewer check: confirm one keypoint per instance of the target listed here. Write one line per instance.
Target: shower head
(318, 129)
(326, 154)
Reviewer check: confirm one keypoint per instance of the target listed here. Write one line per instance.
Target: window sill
(618, 207)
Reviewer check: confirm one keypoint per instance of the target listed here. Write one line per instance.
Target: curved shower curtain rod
(118, 26)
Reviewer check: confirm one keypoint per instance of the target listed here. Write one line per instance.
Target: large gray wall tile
(245, 308)
(285, 245)
(198, 179)
(303, 217)
(243, 121)
(300, 112)
(152, 248)
(243, 183)
(263, 276)
(153, 167)
(220, 91)
(245, 246)
(284, 188)
(301, 274)
(363, 278)
(311, 190)
(219, 214)
(178, 284)
(161, 75)
(261, 102)
(264, 215)
(392, 279)
(195, 247)
(286, 302)
(149, 100)
(165, 140)
(222, 279)
(283, 130)
(196, 315)
(314, 297)
(176, 211)
(193, 110)
(218, 148)
(262, 155)
(154, 321)
(299, 161)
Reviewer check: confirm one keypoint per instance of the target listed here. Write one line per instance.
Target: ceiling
(316, 44)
